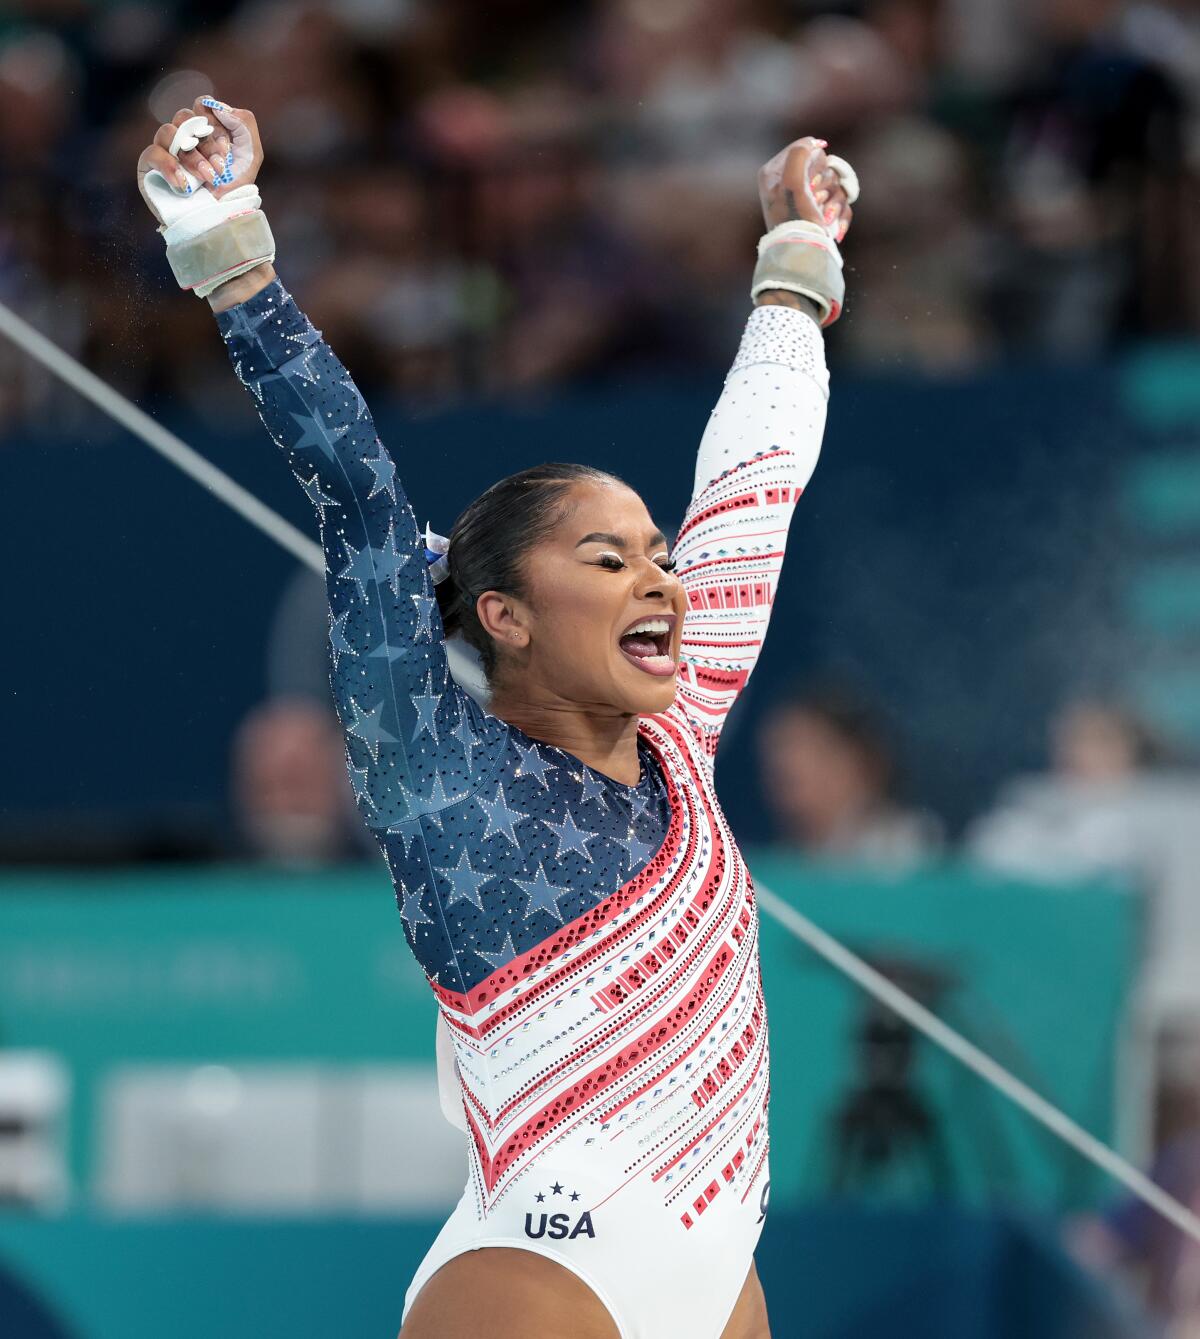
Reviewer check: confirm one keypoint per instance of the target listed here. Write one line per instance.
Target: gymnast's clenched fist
(198, 180)
(227, 158)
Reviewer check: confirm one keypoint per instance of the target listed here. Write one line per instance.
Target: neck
(605, 740)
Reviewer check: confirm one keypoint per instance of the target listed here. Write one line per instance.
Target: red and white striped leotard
(616, 1088)
(592, 946)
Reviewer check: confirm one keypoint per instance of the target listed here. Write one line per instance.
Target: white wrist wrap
(236, 242)
(802, 258)
(209, 241)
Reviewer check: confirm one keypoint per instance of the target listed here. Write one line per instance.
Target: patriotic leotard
(592, 945)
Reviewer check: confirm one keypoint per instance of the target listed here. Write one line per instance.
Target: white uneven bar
(889, 994)
(156, 437)
(285, 534)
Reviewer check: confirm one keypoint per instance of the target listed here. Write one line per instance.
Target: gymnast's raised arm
(390, 679)
(763, 438)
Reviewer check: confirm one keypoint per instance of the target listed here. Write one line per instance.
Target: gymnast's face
(602, 614)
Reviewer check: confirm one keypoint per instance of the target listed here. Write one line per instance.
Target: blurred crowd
(514, 196)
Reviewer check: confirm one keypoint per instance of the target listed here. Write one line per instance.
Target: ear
(504, 619)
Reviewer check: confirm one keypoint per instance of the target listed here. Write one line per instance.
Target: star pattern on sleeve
(312, 435)
(360, 567)
(356, 398)
(426, 707)
(305, 337)
(464, 882)
(360, 778)
(435, 800)
(571, 837)
(502, 956)
(542, 895)
(389, 561)
(533, 764)
(425, 606)
(639, 851)
(384, 469)
(464, 731)
(338, 644)
(409, 833)
(366, 728)
(252, 384)
(412, 913)
(427, 803)
(302, 367)
(500, 818)
(637, 806)
(312, 491)
(593, 787)
(388, 650)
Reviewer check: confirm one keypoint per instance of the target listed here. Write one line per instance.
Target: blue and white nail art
(226, 175)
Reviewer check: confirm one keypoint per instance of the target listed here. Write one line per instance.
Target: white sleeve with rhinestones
(775, 396)
(758, 452)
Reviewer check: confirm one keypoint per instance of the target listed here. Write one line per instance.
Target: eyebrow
(603, 537)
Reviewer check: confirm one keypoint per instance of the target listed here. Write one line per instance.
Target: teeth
(651, 625)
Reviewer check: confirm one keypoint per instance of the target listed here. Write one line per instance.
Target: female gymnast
(565, 876)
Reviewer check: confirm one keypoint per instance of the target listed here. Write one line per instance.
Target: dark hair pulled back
(491, 538)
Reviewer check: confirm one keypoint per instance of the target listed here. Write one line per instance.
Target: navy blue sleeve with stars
(410, 731)
(495, 841)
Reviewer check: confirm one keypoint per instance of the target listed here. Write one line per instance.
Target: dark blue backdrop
(954, 555)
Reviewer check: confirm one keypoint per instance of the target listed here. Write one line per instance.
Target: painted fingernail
(222, 143)
(181, 179)
(824, 143)
(821, 197)
(842, 231)
(212, 102)
(815, 182)
(225, 175)
(218, 162)
(206, 169)
(830, 214)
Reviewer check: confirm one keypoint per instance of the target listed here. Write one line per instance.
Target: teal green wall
(244, 965)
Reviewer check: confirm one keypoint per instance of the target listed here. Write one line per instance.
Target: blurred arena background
(969, 752)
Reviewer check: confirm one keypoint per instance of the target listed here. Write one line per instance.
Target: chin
(651, 697)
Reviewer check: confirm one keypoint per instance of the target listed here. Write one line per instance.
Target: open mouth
(647, 644)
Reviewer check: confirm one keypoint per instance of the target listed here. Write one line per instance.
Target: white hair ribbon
(437, 547)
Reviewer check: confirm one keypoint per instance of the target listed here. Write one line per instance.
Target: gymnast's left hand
(802, 183)
(223, 162)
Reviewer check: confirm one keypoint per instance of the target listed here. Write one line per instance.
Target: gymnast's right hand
(224, 161)
(197, 179)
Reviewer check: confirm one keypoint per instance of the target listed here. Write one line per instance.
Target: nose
(653, 583)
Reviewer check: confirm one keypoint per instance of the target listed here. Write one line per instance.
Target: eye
(667, 564)
(611, 562)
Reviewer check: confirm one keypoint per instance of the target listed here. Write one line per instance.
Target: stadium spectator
(292, 802)
(829, 778)
(1116, 804)
(1086, 815)
(1084, 259)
